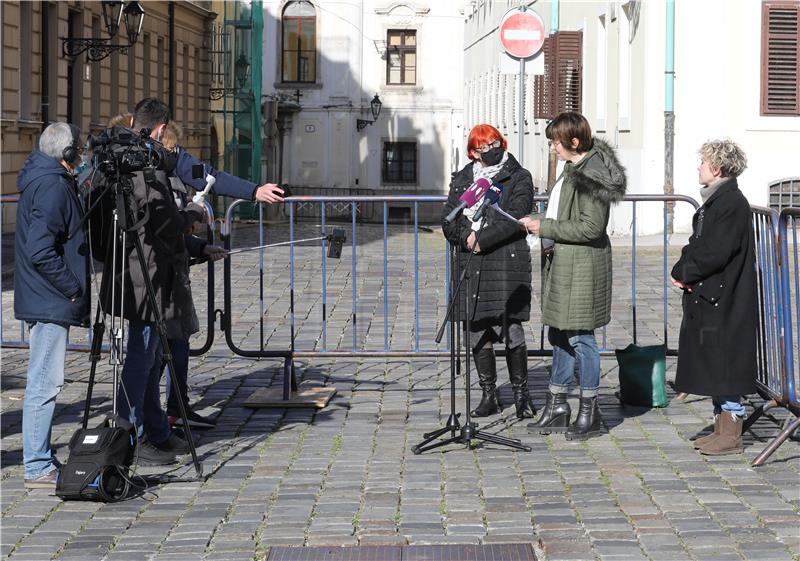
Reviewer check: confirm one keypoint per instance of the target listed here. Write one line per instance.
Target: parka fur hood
(599, 173)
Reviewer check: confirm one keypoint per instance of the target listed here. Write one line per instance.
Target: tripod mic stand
(469, 431)
(121, 227)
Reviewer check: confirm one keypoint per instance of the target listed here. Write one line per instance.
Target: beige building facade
(169, 60)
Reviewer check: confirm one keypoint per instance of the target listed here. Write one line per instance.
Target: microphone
(491, 197)
(469, 197)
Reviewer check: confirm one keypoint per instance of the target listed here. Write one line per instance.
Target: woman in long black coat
(500, 269)
(716, 270)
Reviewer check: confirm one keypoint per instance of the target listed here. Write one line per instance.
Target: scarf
(706, 192)
(486, 172)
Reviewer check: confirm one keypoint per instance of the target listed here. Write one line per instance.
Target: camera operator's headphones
(71, 153)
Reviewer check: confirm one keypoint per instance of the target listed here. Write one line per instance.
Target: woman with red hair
(500, 269)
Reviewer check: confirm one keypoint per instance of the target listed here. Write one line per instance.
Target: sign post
(522, 36)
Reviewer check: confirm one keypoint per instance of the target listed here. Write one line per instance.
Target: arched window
(299, 43)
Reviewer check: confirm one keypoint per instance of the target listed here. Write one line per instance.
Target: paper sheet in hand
(504, 213)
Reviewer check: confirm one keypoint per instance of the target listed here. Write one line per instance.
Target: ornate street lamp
(112, 13)
(134, 18)
(241, 69)
(375, 106)
(97, 49)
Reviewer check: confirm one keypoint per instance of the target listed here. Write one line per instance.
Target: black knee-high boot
(517, 362)
(487, 374)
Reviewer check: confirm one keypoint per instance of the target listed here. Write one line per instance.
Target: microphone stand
(469, 431)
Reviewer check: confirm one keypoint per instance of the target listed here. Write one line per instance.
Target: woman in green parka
(576, 291)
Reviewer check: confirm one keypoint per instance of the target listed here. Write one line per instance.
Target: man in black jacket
(51, 284)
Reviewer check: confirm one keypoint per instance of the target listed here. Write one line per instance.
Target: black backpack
(99, 460)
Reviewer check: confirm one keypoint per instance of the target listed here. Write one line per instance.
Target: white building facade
(325, 61)
(718, 47)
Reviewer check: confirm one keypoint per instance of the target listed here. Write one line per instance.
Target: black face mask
(493, 156)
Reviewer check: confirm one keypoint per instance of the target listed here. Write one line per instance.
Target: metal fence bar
(385, 276)
(353, 260)
(416, 276)
(324, 281)
(633, 273)
(780, 390)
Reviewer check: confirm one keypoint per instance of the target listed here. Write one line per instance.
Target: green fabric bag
(642, 373)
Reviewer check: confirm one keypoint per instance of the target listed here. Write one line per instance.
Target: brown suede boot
(705, 440)
(729, 440)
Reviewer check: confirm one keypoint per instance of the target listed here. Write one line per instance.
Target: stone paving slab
(345, 475)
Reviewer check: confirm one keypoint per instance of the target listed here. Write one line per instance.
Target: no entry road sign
(522, 33)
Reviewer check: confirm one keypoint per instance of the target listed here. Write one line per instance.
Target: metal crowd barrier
(779, 301)
(21, 341)
(357, 348)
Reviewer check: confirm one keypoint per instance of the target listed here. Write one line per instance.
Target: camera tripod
(469, 431)
(123, 224)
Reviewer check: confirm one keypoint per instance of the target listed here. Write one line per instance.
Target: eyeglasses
(552, 143)
(486, 147)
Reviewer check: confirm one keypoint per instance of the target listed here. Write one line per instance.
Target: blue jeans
(48, 348)
(574, 350)
(141, 377)
(730, 403)
(180, 358)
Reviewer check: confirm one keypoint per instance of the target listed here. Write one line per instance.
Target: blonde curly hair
(724, 155)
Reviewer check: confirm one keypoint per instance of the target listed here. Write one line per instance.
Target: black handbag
(99, 462)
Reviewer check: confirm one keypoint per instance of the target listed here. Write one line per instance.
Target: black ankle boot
(588, 421)
(555, 417)
(487, 374)
(517, 362)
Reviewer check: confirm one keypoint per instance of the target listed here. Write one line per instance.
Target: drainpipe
(45, 7)
(171, 61)
(552, 161)
(669, 114)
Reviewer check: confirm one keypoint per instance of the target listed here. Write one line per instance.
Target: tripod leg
(502, 440)
(98, 330)
(167, 355)
(419, 448)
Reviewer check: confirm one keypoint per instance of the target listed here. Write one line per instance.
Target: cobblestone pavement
(345, 475)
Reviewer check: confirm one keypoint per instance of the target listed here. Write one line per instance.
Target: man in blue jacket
(51, 284)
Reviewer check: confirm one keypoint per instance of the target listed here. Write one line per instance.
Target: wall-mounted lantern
(97, 49)
(375, 107)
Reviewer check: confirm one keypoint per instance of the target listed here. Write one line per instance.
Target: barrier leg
(290, 394)
(755, 415)
(776, 442)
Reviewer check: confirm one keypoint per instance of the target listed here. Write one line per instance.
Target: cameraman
(164, 252)
(51, 284)
(226, 184)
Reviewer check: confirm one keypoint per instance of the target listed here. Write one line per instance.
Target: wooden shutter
(561, 87)
(780, 52)
(569, 71)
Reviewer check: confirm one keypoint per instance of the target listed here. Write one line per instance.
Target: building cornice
(416, 7)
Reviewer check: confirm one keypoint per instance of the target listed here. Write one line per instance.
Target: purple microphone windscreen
(475, 192)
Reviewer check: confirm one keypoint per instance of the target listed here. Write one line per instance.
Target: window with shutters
(401, 57)
(780, 53)
(560, 88)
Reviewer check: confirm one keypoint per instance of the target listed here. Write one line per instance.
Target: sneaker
(46, 481)
(174, 444)
(195, 421)
(149, 455)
